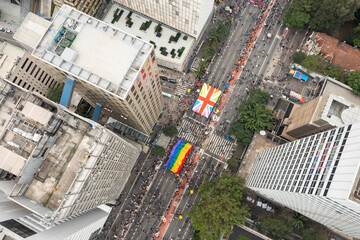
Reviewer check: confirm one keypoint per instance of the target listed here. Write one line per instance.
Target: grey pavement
(149, 192)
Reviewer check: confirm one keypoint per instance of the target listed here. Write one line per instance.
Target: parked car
(163, 78)
(8, 31)
(2, 29)
(172, 80)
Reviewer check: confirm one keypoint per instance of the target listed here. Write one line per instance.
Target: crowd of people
(156, 207)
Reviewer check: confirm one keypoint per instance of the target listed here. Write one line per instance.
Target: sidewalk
(10, 15)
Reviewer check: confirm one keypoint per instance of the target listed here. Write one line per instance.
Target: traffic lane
(181, 227)
(237, 231)
(163, 188)
(231, 49)
(173, 228)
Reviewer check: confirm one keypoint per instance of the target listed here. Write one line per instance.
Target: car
(163, 78)
(2, 29)
(172, 80)
(8, 31)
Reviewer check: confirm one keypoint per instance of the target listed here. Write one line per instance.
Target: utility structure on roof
(110, 67)
(56, 166)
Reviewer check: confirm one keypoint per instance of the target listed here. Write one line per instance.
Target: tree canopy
(259, 96)
(243, 135)
(312, 232)
(54, 93)
(278, 226)
(170, 131)
(219, 207)
(353, 80)
(255, 116)
(320, 15)
(158, 151)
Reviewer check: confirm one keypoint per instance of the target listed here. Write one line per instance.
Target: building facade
(121, 75)
(19, 67)
(18, 223)
(187, 16)
(90, 7)
(62, 166)
(317, 176)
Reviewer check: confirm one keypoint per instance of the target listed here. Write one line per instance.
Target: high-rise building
(19, 67)
(317, 176)
(18, 223)
(90, 7)
(60, 164)
(187, 16)
(110, 67)
(336, 106)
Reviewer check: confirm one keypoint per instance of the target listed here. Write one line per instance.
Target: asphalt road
(149, 193)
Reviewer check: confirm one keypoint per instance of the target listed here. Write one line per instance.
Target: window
(18, 228)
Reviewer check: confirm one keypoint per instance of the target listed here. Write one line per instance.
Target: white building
(317, 176)
(18, 223)
(111, 68)
(188, 16)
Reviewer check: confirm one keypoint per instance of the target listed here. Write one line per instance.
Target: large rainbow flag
(206, 101)
(178, 155)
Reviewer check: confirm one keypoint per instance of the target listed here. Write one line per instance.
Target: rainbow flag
(178, 155)
(206, 101)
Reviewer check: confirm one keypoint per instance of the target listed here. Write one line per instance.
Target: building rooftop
(88, 49)
(51, 151)
(10, 55)
(150, 35)
(338, 52)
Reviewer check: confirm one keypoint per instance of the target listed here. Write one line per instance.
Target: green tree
(54, 93)
(220, 207)
(330, 14)
(296, 19)
(234, 164)
(335, 72)
(209, 51)
(278, 226)
(255, 116)
(243, 135)
(311, 63)
(298, 57)
(298, 220)
(170, 131)
(353, 80)
(259, 96)
(158, 151)
(313, 232)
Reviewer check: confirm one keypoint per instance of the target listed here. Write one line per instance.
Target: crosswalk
(182, 87)
(192, 131)
(219, 146)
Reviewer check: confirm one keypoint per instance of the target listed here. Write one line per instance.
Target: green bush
(180, 51)
(158, 151)
(185, 37)
(298, 57)
(116, 12)
(158, 28)
(170, 131)
(163, 49)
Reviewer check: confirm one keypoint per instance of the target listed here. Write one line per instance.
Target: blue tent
(228, 137)
(297, 74)
(304, 77)
(227, 86)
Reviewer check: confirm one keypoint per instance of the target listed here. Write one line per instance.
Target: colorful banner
(177, 156)
(206, 101)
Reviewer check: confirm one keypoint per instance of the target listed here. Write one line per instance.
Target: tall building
(60, 164)
(90, 7)
(110, 67)
(18, 223)
(335, 106)
(187, 16)
(317, 176)
(19, 67)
